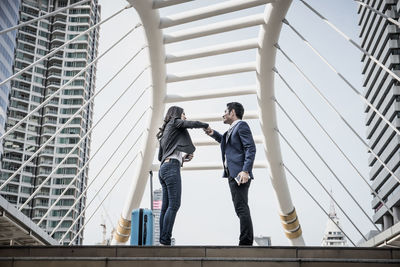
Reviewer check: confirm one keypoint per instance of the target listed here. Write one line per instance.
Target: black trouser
(240, 198)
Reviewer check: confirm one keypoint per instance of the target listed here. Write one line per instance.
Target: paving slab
(211, 263)
(353, 264)
(59, 263)
(251, 252)
(344, 253)
(157, 263)
(14, 251)
(160, 251)
(6, 263)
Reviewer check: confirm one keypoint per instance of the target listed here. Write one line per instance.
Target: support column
(268, 37)
(150, 19)
(396, 213)
(387, 221)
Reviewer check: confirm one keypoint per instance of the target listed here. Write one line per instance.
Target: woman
(174, 141)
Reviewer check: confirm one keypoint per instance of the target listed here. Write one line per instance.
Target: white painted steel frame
(150, 19)
(209, 11)
(271, 23)
(268, 37)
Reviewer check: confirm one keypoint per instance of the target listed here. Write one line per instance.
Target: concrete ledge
(174, 261)
(388, 238)
(252, 252)
(348, 253)
(208, 252)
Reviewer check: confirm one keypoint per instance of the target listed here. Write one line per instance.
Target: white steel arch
(271, 22)
(268, 37)
(150, 19)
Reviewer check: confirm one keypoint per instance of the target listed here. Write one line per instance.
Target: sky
(207, 216)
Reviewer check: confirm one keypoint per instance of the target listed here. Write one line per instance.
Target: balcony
(54, 75)
(55, 66)
(19, 107)
(27, 40)
(59, 29)
(58, 38)
(50, 121)
(54, 84)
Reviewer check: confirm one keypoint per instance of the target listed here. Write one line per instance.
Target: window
(78, 28)
(43, 43)
(71, 131)
(79, 19)
(72, 101)
(77, 55)
(77, 46)
(44, 34)
(68, 161)
(26, 190)
(67, 171)
(74, 121)
(79, 11)
(40, 51)
(75, 64)
(36, 99)
(44, 25)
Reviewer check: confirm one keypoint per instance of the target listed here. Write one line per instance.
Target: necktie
(229, 134)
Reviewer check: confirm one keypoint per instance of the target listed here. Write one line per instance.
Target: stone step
(206, 252)
(191, 262)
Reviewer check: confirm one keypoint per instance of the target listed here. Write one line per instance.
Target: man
(238, 153)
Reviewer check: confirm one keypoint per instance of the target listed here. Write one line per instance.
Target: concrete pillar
(396, 215)
(387, 221)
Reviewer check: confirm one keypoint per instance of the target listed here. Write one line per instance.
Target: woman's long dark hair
(172, 113)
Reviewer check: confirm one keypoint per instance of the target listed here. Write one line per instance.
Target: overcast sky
(207, 216)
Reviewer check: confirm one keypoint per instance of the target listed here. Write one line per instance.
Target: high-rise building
(8, 17)
(333, 236)
(382, 40)
(157, 203)
(29, 90)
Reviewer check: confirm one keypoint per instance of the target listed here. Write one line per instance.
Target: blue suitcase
(142, 227)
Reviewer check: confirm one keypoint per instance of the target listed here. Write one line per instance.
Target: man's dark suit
(239, 150)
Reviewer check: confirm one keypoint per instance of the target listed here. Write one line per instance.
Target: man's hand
(188, 157)
(244, 177)
(208, 130)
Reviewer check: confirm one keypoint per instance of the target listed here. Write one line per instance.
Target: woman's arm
(178, 123)
(160, 152)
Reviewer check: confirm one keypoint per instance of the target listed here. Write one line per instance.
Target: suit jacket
(176, 136)
(239, 150)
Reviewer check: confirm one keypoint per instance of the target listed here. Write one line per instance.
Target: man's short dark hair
(239, 110)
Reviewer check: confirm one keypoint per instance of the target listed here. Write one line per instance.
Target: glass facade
(8, 18)
(28, 91)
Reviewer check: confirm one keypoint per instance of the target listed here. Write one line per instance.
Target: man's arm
(246, 138)
(214, 134)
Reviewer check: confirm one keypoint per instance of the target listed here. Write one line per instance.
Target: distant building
(381, 39)
(263, 241)
(157, 202)
(333, 236)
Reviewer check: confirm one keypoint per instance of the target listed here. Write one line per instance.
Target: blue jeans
(170, 179)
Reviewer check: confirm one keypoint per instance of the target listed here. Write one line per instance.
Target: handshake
(208, 130)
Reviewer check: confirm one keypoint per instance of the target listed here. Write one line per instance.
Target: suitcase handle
(145, 229)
